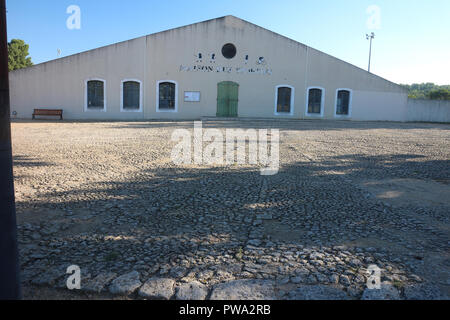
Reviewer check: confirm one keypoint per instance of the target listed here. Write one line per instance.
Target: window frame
(291, 113)
(86, 108)
(349, 103)
(157, 97)
(322, 103)
(122, 109)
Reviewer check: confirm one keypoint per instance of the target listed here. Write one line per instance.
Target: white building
(222, 67)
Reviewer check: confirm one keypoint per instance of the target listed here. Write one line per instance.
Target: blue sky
(412, 41)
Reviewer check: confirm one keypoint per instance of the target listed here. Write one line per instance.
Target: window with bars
(167, 96)
(343, 102)
(131, 95)
(284, 100)
(95, 94)
(315, 101)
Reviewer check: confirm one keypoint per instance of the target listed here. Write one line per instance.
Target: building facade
(225, 67)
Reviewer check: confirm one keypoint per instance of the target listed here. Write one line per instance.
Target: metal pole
(370, 52)
(370, 38)
(9, 260)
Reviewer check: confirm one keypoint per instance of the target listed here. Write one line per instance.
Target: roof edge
(125, 41)
(207, 21)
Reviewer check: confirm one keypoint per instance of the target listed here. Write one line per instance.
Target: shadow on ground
(312, 219)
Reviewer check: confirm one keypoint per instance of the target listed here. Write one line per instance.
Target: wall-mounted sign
(260, 65)
(192, 96)
(239, 70)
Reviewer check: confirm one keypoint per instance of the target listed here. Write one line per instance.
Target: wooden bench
(48, 112)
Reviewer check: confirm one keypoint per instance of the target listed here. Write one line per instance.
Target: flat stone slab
(99, 282)
(192, 291)
(424, 292)
(125, 284)
(416, 192)
(386, 292)
(157, 289)
(319, 292)
(244, 290)
(50, 276)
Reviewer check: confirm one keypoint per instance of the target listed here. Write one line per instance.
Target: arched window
(343, 102)
(131, 95)
(315, 101)
(167, 96)
(284, 100)
(95, 94)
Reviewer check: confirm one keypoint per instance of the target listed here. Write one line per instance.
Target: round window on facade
(229, 51)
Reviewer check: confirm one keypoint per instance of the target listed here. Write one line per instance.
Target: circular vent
(229, 51)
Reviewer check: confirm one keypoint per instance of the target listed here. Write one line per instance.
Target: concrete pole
(9, 260)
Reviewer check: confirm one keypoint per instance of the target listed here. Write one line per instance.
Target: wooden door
(227, 99)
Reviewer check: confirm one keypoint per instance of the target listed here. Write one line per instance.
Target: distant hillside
(428, 91)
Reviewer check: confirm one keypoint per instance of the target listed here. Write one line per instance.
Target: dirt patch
(406, 192)
(59, 221)
(278, 231)
(35, 216)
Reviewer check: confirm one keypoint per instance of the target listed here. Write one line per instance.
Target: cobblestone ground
(107, 197)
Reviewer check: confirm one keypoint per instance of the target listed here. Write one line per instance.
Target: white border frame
(157, 97)
(349, 115)
(322, 103)
(199, 97)
(86, 109)
(291, 113)
(140, 95)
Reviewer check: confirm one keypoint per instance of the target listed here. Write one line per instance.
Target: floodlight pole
(370, 37)
(9, 260)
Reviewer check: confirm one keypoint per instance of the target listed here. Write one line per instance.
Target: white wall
(373, 98)
(428, 110)
(378, 106)
(60, 84)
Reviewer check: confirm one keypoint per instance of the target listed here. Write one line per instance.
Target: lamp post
(9, 263)
(370, 37)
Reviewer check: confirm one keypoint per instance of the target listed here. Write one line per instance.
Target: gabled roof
(227, 17)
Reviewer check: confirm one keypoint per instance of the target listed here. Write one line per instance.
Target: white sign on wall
(192, 96)
(238, 70)
(203, 64)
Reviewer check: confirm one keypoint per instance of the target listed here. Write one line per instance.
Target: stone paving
(106, 196)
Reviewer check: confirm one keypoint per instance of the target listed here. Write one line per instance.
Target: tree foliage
(439, 94)
(18, 55)
(427, 90)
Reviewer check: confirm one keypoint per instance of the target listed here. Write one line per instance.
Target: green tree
(18, 55)
(427, 91)
(439, 94)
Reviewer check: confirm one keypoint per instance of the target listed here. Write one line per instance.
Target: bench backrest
(56, 112)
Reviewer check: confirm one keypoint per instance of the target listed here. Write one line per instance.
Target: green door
(227, 99)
